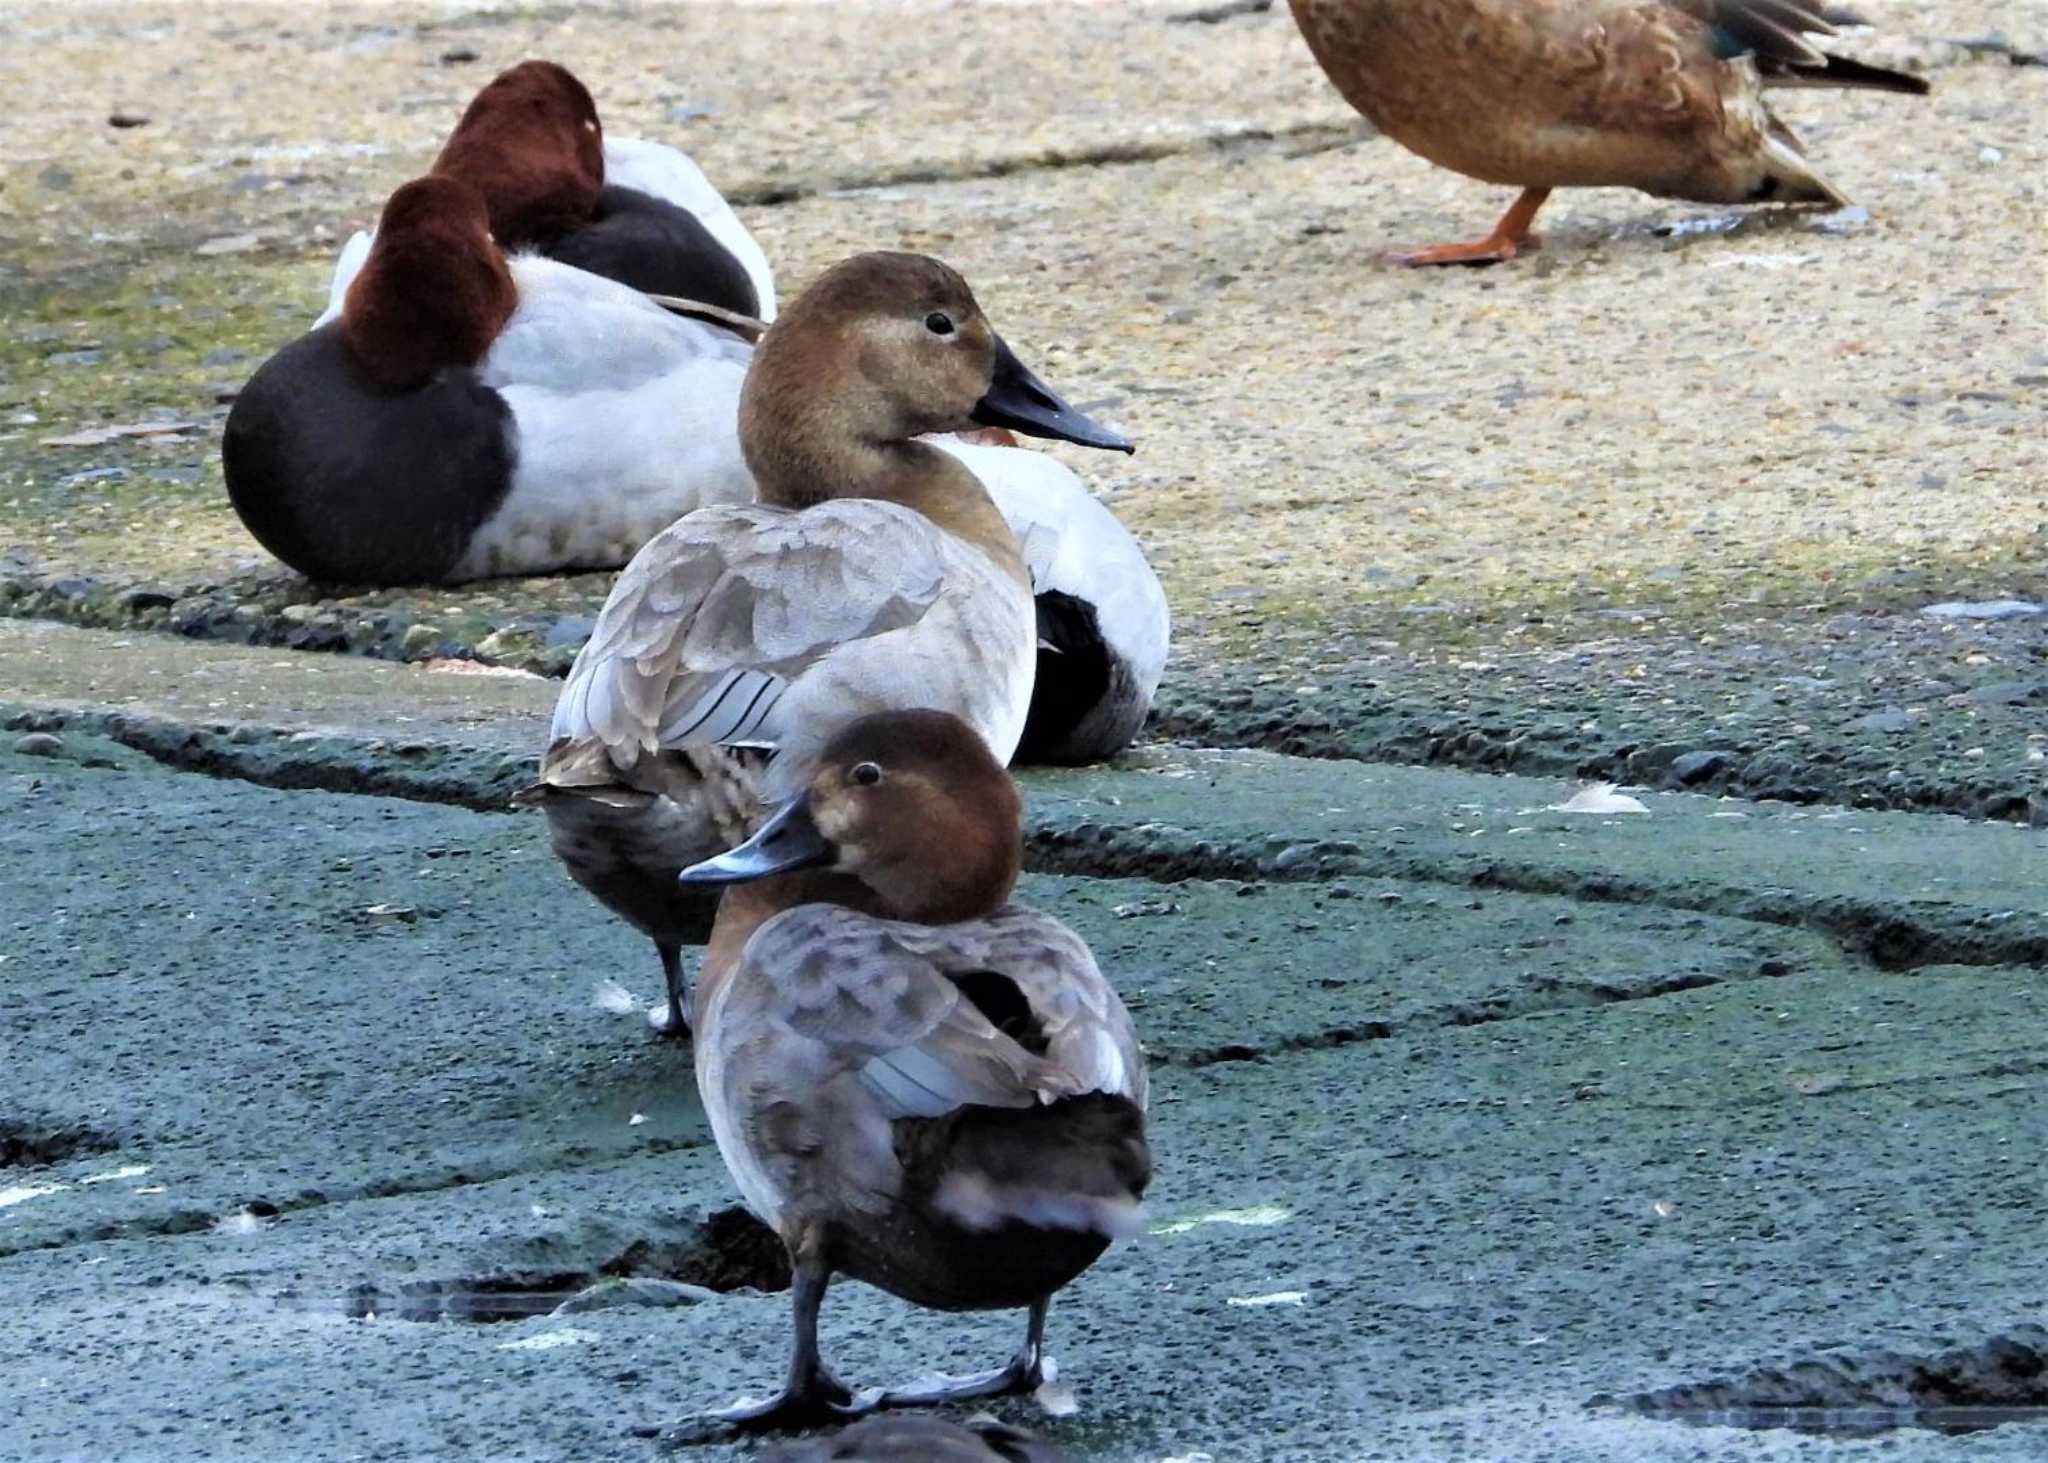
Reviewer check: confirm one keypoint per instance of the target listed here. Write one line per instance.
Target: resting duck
(638, 212)
(912, 1081)
(873, 573)
(1102, 616)
(462, 414)
(1661, 95)
(888, 1439)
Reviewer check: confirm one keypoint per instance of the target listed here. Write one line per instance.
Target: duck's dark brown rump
(1075, 1154)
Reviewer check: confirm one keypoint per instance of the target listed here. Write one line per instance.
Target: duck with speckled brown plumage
(913, 1081)
(1661, 95)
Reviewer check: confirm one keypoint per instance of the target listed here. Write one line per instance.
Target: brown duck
(1661, 95)
(913, 1081)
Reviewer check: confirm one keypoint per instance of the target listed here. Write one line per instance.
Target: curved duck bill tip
(789, 840)
(1017, 399)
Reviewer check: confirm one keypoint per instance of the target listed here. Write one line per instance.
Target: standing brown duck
(1661, 95)
(914, 1082)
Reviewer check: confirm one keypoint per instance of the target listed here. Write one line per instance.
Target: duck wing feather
(711, 625)
(835, 1026)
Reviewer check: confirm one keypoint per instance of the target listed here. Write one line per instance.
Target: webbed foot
(1023, 1374)
(824, 1401)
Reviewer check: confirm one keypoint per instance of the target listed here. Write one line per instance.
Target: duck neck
(802, 466)
(746, 907)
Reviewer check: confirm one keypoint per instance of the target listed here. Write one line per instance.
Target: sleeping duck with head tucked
(913, 1081)
(873, 573)
(1662, 95)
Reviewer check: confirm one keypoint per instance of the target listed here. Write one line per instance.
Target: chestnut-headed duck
(638, 212)
(1661, 95)
(914, 1082)
(467, 415)
(873, 573)
(1103, 622)
(895, 1438)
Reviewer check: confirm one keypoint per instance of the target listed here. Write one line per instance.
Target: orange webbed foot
(1509, 238)
(1492, 249)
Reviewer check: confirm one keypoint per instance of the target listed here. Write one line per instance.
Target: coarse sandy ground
(1635, 496)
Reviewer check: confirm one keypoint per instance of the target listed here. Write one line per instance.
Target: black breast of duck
(384, 401)
(652, 245)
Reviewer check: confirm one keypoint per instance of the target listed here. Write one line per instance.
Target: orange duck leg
(1510, 237)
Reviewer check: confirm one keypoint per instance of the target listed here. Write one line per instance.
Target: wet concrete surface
(310, 1107)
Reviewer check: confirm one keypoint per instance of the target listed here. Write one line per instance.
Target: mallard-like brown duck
(913, 1082)
(1661, 95)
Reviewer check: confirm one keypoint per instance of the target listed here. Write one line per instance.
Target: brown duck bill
(1017, 399)
(787, 841)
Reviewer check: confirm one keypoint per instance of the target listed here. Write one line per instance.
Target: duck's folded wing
(880, 998)
(714, 620)
(916, 1012)
(577, 333)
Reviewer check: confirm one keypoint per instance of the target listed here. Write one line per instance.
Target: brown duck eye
(866, 774)
(939, 323)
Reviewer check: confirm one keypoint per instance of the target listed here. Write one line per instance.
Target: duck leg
(812, 1396)
(675, 1021)
(1023, 1373)
(1510, 237)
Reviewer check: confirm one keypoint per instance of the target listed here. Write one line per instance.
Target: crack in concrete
(173, 1223)
(1888, 936)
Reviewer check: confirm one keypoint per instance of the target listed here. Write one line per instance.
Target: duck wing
(749, 624)
(1009, 1011)
(847, 1057)
(1779, 34)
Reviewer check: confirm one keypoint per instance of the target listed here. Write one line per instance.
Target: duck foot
(1024, 1373)
(824, 1401)
(1510, 237)
(672, 1021)
(1019, 1377)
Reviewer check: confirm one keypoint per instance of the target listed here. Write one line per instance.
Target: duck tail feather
(1079, 1163)
(1789, 177)
(1841, 72)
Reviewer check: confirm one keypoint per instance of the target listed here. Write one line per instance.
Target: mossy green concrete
(304, 1080)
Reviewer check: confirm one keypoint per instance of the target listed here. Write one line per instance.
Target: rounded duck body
(351, 482)
(1665, 96)
(913, 1081)
(873, 573)
(457, 415)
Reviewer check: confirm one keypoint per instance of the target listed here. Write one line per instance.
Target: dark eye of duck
(864, 774)
(939, 323)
